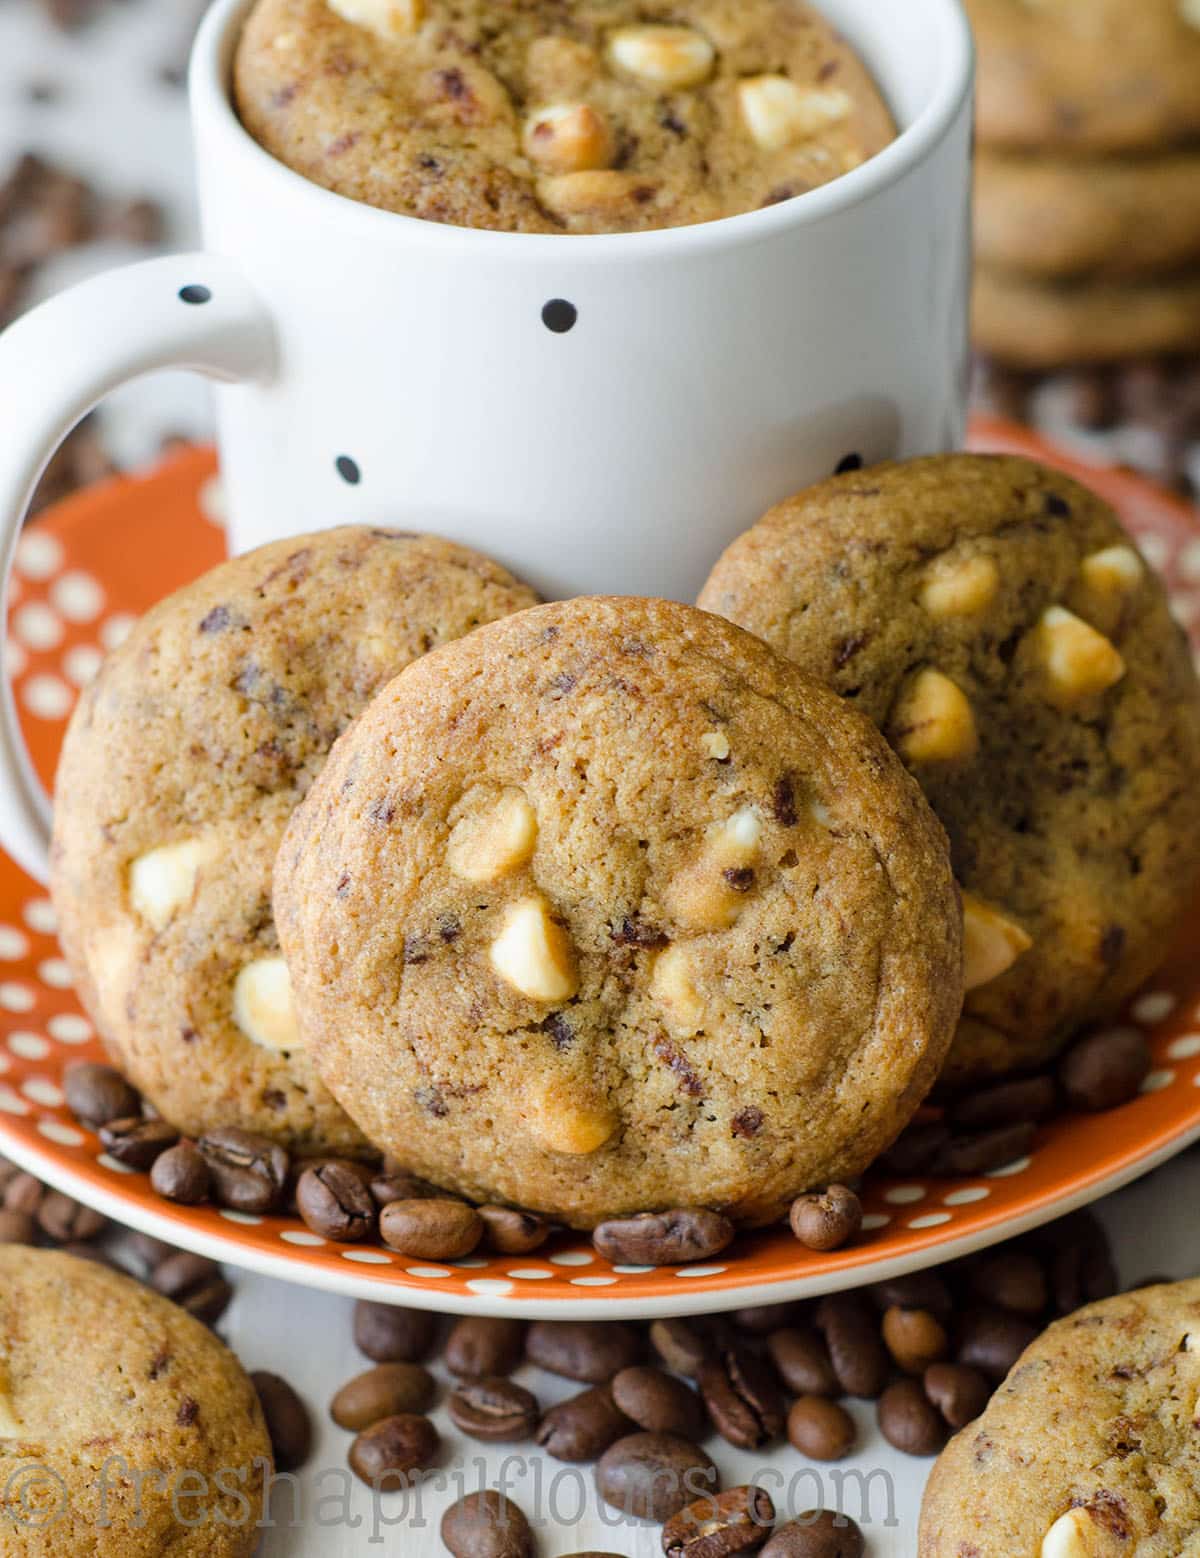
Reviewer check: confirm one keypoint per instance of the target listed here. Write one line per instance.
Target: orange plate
(87, 568)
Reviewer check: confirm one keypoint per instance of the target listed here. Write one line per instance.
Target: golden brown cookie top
(607, 908)
(550, 117)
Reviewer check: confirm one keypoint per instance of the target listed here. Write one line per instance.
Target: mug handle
(192, 311)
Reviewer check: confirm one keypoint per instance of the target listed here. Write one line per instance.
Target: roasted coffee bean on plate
(66, 1221)
(248, 1171)
(510, 1232)
(334, 1202)
(486, 1525)
(664, 1238)
(437, 1228)
(137, 1142)
(181, 1174)
(287, 1419)
(582, 1427)
(384, 1391)
(1104, 1070)
(96, 1094)
(480, 1346)
(590, 1351)
(387, 1333)
(826, 1219)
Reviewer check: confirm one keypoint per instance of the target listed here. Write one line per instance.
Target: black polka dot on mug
(559, 316)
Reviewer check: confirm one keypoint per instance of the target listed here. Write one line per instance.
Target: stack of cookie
(1088, 188)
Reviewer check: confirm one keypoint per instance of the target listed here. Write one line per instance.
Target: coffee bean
(486, 1525)
(851, 1331)
(494, 1410)
(915, 1338)
(180, 1174)
(664, 1238)
(1076, 1252)
(992, 1340)
(137, 1142)
(764, 1320)
(1004, 1103)
(66, 1221)
(149, 1251)
(248, 1171)
(658, 1402)
(681, 1345)
(1105, 1069)
(742, 1398)
(96, 1094)
(393, 1452)
(334, 1202)
(480, 1347)
(16, 1227)
(1088, 398)
(826, 1219)
(133, 221)
(964, 1156)
(93, 1253)
(582, 1427)
(388, 1334)
(395, 1185)
(439, 1229)
(821, 1429)
(736, 1521)
(298, 1167)
(588, 1350)
(802, 1358)
(287, 1419)
(510, 1232)
(194, 1283)
(24, 1193)
(820, 1533)
(960, 1393)
(1013, 1279)
(917, 1290)
(384, 1391)
(909, 1421)
(653, 1476)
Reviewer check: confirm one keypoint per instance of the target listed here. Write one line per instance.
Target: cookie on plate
(1089, 1448)
(608, 908)
(127, 1429)
(180, 769)
(993, 618)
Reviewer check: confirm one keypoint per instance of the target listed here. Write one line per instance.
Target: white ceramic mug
(381, 369)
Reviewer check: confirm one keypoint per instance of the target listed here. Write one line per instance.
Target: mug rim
(211, 100)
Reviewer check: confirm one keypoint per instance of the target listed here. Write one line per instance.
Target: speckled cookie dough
(1089, 1449)
(552, 116)
(608, 908)
(127, 1429)
(180, 769)
(995, 621)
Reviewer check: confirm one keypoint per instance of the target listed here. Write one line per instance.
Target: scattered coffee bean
(765, 1319)
(851, 1331)
(909, 1421)
(1088, 399)
(92, 1252)
(133, 221)
(664, 1238)
(1012, 1279)
(1004, 1103)
(395, 1451)
(918, 1290)
(992, 1340)
(387, 1390)
(180, 1174)
(334, 1202)
(23, 1193)
(915, 1149)
(494, 1410)
(826, 1219)
(802, 1358)
(480, 1347)
(385, 1333)
(486, 1525)
(248, 1171)
(681, 1345)
(439, 1229)
(16, 1227)
(195, 1284)
(364, 1172)
(742, 1398)
(582, 1427)
(1105, 1070)
(510, 1232)
(736, 1521)
(915, 1338)
(137, 1142)
(658, 1402)
(959, 1392)
(96, 1094)
(821, 1429)
(1077, 1252)
(288, 1422)
(653, 1476)
(66, 1221)
(963, 1156)
(390, 1185)
(591, 1351)
(819, 1533)
(149, 1251)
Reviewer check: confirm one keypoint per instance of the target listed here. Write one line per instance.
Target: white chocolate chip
(388, 19)
(568, 138)
(992, 943)
(1077, 1535)
(778, 112)
(672, 985)
(569, 1123)
(960, 586)
(495, 842)
(710, 893)
(1115, 571)
(665, 58)
(1189, 10)
(716, 744)
(1191, 1342)
(263, 1007)
(597, 193)
(163, 880)
(932, 721)
(735, 842)
(1078, 662)
(534, 955)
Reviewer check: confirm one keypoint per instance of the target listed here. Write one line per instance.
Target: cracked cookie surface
(181, 766)
(993, 618)
(607, 908)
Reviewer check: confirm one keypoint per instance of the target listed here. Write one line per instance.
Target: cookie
(1039, 325)
(1108, 218)
(180, 769)
(1102, 75)
(607, 908)
(1089, 1449)
(995, 621)
(580, 116)
(127, 1429)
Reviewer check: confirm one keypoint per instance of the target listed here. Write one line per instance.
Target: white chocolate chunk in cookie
(493, 843)
(716, 744)
(1077, 661)
(1115, 571)
(932, 721)
(1189, 10)
(992, 942)
(163, 880)
(710, 893)
(960, 586)
(665, 58)
(1077, 1535)
(263, 1007)
(778, 112)
(673, 987)
(569, 1122)
(601, 192)
(568, 138)
(534, 954)
(386, 18)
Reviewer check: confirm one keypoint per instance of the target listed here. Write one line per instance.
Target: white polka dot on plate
(471, 1263)
(47, 696)
(30, 1046)
(1184, 1047)
(966, 1197)
(116, 629)
(114, 1164)
(69, 1028)
(1189, 562)
(904, 1195)
(42, 1091)
(530, 1273)
(39, 554)
(367, 1257)
(573, 1258)
(14, 943)
(632, 1271)
(80, 664)
(593, 1282)
(213, 503)
(1007, 1170)
(78, 596)
(16, 998)
(55, 973)
(1157, 1080)
(493, 1285)
(930, 1220)
(1185, 609)
(246, 1219)
(39, 915)
(301, 1236)
(37, 627)
(1155, 549)
(15, 658)
(700, 1271)
(10, 1103)
(1154, 1006)
(431, 1272)
(64, 1135)
(874, 1221)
